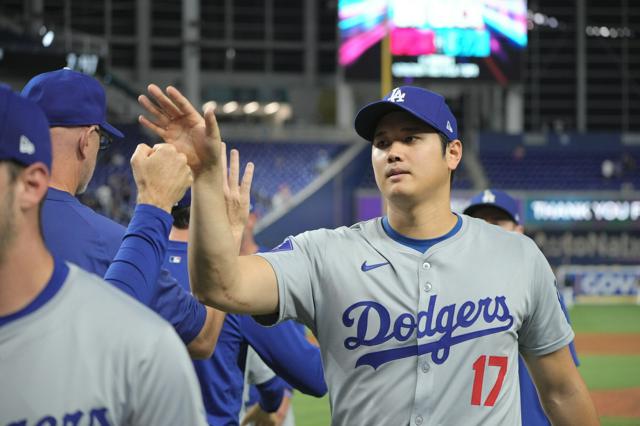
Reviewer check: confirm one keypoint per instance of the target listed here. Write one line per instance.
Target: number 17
(478, 367)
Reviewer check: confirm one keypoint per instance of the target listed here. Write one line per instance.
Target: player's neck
(24, 272)
(65, 185)
(65, 175)
(422, 221)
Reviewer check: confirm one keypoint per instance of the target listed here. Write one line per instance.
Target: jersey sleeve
(178, 306)
(288, 353)
(296, 265)
(166, 391)
(545, 328)
(136, 265)
(271, 394)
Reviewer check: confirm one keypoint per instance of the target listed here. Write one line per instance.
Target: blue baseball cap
(24, 130)
(497, 199)
(70, 98)
(423, 104)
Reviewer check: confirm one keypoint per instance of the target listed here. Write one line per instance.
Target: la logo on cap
(488, 197)
(26, 146)
(449, 128)
(396, 95)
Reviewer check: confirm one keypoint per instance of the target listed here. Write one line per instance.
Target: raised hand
(237, 193)
(174, 119)
(161, 174)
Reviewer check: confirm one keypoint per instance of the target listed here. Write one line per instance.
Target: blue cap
(24, 130)
(185, 201)
(495, 198)
(70, 98)
(423, 104)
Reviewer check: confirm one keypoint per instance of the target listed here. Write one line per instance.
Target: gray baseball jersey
(421, 339)
(91, 355)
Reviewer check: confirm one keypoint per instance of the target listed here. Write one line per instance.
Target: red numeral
(478, 367)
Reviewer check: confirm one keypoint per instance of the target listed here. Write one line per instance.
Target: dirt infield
(616, 402)
(608, 344)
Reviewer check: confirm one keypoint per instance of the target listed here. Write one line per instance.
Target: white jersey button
(426, 265)
(425, 367)
(427, 286)
(419, 420)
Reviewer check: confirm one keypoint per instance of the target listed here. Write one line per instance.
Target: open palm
(174, 119)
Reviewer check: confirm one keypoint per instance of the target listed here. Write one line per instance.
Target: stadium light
(271, 108)
(47, 39)
(209, 104)
(230, 107)
(251, 107)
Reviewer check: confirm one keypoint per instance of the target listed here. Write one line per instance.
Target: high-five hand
(177, 122)
(237, 193)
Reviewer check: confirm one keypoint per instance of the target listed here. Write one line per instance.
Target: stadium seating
(574, 162)
(282, 170)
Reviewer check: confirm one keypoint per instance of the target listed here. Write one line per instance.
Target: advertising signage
(585, 213)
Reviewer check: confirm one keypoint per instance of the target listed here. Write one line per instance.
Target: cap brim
(368, 117)
(474, 207)
(112, 130)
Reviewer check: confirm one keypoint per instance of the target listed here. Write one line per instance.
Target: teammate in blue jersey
(75, 105)
(73, 350)
(499, 208)
(255, 367)
(420, 315)
(282, 348)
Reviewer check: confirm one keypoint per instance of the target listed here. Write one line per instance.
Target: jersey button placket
(425, 378)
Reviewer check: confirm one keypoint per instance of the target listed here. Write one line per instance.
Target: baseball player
(282, 348)
(75, 106)
(420, 314)
(68, 352)
(499, 208)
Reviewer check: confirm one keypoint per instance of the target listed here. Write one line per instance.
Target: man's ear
(33, 185)
(84, 141)
(453, 154)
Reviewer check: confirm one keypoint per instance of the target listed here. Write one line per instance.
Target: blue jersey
(221, 377)
(74, 232)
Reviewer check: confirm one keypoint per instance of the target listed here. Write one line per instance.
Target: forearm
(570, 405)
(213, 263)
(562, 391)
(204, 344)
(136, 266)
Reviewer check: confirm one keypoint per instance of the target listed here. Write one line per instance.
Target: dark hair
(181, 217)
(445, 142)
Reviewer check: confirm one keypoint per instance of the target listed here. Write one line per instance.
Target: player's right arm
(219, 277)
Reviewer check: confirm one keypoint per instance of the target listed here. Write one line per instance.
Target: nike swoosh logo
(366, 268)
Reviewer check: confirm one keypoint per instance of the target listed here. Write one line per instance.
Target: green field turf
(605, 319)
(610, 371)
(599, 371)
(618, 421)
(310, 411)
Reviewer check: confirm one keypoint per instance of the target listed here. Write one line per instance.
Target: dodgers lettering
(494, 312)
(96, 417)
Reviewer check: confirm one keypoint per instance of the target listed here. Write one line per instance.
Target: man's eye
(409, 138)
